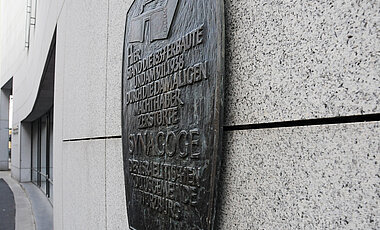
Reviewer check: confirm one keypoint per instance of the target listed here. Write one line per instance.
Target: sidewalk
(24, 219)
(42, 209)
(7, 207)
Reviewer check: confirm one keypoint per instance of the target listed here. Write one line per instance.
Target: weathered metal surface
(172, 100)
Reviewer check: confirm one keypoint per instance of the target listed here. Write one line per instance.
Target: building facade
(301, 143)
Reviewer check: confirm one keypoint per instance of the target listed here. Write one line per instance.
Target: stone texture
(4, 165)
(25, 174)
(85, 54)
(318, 177)
(291, 60)
(15, 156)
(4, 132)
(116, 28)
(25, 135)
(115, 188)
(58, 172)
(83, 185)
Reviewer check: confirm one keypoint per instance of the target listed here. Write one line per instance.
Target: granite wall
(301, 142)
(88, 154)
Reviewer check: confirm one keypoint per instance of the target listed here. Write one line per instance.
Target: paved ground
(7, 207)
(24, 216)
(42, 209)
(25, 206)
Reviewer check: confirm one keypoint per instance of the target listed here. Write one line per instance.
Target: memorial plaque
(172, 101)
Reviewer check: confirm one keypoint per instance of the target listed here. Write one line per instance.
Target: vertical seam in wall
(60, 9)
(105, 120)
(19, 148)
(63, 112)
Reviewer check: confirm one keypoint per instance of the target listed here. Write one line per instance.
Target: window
(42, 153)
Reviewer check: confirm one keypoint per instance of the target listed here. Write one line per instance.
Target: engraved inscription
(181, 144)
(164, 187)
(171, 113)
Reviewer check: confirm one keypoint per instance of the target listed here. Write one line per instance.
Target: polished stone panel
(84, 68)
(115, 188)
(116, 28)
(318, 177)
(293, 60)
(84, 185)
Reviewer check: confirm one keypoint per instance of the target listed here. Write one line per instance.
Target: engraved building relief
(172, 89)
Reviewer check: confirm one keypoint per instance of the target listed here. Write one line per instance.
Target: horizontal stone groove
(273, 125)
(92, 138)
(309, 122)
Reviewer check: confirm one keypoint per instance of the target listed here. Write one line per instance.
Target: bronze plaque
(172, 109)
